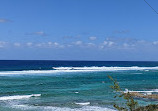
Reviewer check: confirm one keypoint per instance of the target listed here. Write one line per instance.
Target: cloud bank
(108, 43)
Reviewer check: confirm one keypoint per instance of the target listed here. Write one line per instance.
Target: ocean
(27, 85)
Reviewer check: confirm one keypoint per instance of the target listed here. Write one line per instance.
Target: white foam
(51, 108)
(77, 69)
(4, 98)
(83, 104)
(104, 68)
(85, 108)
(155, 90)
(149, 91)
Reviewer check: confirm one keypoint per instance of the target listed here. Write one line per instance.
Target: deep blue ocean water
(71, 85)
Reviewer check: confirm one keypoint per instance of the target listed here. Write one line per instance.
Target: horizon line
(80, 60)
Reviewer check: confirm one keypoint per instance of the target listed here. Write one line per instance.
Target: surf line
(4, 98)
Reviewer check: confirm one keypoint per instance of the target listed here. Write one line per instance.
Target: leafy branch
(130, 103)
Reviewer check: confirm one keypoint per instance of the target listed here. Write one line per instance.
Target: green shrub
(130, 104)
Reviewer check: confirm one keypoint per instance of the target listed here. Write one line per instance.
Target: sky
(104, 30)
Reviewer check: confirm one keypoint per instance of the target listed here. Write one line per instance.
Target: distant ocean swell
(78, 69)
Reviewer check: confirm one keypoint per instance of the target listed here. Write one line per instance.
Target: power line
(151, 7)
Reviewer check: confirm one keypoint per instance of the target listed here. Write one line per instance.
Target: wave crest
(4, 98)
(78, 69)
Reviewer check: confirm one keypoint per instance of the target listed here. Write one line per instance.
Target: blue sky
(78, 30)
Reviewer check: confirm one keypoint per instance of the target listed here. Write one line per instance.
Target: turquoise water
(74, 89)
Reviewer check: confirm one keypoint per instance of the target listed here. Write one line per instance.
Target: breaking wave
(4, 98)
(83, 104)
(78, 69)
(50, 108)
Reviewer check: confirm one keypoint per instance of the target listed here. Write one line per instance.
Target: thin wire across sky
(151, 7)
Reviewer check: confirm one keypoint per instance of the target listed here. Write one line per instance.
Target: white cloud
(40, 44)
(78, 43)
(108, 43)
(29, 44)
(118, 44)
(69, 45)
(90, 44)
(17, 44)
(2, 44)
(56, 44)
(101, 46)
(2, 20)
(105, 43)
(92, 38)
(40, 33)
(155, 42)
(50, 45)
(126, 45)
(121, 31)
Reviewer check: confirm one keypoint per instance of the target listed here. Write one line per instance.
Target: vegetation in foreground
(130, 104)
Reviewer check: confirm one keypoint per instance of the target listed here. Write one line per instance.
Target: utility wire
(151, 7)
